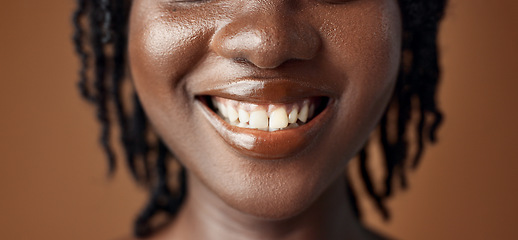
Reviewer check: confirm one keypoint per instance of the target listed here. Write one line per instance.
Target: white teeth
(244, 116)
(303, 114)
(232, 114)
(265, 117)
(223, 110)
(259, 119)
(279, 118)
(292, 118)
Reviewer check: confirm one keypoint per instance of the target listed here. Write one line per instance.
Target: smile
(267, 117)
(271, 122)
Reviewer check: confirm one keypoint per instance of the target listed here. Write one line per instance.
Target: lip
(262, 144)
(264, 90)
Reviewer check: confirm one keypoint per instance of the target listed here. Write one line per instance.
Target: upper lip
(270, 89)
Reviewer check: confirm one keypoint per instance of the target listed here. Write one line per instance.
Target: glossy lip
(269, 145)
(265, 90)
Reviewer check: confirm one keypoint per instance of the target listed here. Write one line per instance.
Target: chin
(271, 198)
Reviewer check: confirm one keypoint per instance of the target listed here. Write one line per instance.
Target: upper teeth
(268, 117)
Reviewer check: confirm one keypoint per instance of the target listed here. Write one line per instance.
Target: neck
(205, 216)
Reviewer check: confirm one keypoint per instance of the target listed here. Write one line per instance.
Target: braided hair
(100, 40)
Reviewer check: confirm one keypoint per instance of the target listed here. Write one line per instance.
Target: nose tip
(266, 41)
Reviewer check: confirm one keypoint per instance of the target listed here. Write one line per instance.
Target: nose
(266, 37)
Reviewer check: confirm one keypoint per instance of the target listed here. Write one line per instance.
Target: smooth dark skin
(179, 50)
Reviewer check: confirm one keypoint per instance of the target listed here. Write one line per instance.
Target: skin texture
(278, 51)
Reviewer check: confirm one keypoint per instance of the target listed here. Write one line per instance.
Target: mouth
(268, 117)
(270, 132)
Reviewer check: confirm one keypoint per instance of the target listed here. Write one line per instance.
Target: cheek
(378, 61)
(163, 46)
(369, 47)
(365, 43)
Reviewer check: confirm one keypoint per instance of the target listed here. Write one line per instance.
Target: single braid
(369, 186)
(101, 98)
(140, 146)
(80, 50)
(352, 197)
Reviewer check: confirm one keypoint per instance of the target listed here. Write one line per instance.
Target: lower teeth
(269, 129)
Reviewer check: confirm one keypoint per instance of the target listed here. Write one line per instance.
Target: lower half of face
(265, 102)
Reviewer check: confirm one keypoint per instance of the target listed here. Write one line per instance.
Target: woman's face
(265, 101)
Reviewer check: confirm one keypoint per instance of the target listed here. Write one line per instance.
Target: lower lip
(269, 145)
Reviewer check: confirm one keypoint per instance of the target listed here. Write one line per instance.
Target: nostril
(242, 60)
(266, 40)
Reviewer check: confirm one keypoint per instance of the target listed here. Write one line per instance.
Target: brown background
(53, 174)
